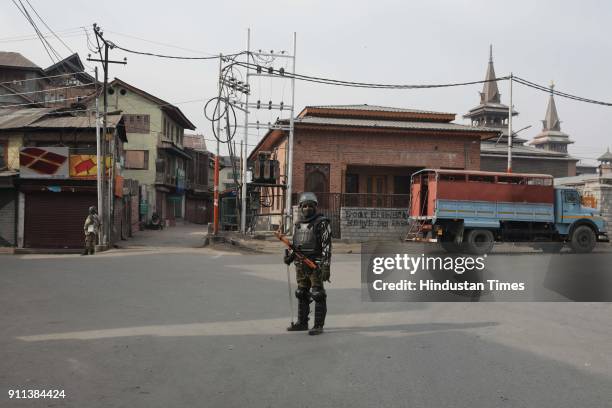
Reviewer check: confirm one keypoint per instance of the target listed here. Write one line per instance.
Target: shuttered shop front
(55, 220)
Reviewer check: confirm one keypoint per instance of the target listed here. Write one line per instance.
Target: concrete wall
(366, 224)
(132, 103)
(557, 168)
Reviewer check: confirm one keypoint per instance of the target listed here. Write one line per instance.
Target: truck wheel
(583, 239)
(479, 241)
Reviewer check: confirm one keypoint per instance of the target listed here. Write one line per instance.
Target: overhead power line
(56, 100)
(356, 84)
(150, 54)
(559, 93)
(41, 78)
(48, 90)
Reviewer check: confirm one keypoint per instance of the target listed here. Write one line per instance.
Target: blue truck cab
(570, 215)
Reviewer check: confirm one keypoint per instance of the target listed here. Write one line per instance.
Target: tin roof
(521, 150)
(18, 118)
(48, 118)
(483, 173)
(15, 59)
(376, 108)
(392, 124)
(607, 156)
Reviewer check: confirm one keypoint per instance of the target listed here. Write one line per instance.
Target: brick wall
(367, 224)
(343, 149)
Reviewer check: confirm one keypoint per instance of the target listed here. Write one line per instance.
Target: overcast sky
(403, 42)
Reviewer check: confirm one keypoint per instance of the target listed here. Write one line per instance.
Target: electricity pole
(99, 190)
(107, 213)
(271, 72)
(243, 190)
(509, 170)
(216, 177)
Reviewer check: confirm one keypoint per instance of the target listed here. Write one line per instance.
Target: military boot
(319, 321)
(303, 312)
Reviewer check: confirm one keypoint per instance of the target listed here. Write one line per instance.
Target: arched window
(317, 181)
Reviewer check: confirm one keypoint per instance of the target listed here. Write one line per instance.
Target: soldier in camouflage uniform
(312, 237)
(92, 223)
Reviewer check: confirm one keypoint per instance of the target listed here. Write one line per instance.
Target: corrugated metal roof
(502, 149)
(565, 181)
(18, 118)
(73, 122)
(15, 59)
(377, 108)
(396, 124)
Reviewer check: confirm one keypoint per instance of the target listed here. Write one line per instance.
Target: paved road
(171, 325)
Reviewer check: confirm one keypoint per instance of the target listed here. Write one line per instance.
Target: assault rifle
(299, 255)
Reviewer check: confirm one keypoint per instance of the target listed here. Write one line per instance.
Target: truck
(469, 211)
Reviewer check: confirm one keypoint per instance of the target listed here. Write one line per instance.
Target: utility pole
(243, 190)
(98, 155)
(107, 214)
(509, 170)
(289, 191)
(269, 71)
(216, 177)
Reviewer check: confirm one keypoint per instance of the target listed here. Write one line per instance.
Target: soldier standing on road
(312, 237)
(92, 223)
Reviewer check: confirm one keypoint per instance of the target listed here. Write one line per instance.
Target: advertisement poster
(84, 166)
(43, 162)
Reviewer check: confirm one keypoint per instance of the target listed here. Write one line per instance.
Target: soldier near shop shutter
(90, 228)
(312, 237)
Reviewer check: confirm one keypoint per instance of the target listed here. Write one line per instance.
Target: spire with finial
(551, 120)
(490, 92)
(606, 158)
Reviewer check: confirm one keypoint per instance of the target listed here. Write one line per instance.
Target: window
(571, 197)
(539, 181)
(137, 159)
(137, 123)
(317, 178)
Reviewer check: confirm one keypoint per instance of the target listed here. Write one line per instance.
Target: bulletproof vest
(305, 238)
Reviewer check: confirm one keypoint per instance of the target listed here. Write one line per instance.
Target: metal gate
(55, 220)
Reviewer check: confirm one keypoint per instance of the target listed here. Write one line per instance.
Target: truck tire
(479, 241)
(583, 239)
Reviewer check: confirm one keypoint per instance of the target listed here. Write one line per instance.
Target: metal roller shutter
(8, 199)
(55, 220)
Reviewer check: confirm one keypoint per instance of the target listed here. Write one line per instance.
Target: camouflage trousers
(307, 278)
(90, 242)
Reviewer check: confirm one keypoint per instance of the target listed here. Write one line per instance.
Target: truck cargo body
(455, 206)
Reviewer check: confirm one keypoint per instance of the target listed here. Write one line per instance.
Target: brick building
(362, 156)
